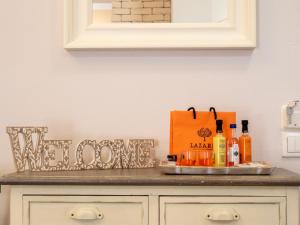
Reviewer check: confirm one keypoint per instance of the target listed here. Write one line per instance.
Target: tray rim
(266, 169)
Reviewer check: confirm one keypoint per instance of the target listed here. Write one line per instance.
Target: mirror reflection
(159, 11)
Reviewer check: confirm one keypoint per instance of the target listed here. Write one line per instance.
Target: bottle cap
(172, 158)
(219, 124)
(233, 125)
(244, 126)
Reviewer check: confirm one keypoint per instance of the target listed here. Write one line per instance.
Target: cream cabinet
(148, 197)
(105, 210)
(229, 210)
(153, 205)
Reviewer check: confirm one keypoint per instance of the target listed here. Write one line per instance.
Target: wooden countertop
(147, 177)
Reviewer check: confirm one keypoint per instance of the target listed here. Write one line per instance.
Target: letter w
(29, 154)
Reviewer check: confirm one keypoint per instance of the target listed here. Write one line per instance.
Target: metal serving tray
(198, 170)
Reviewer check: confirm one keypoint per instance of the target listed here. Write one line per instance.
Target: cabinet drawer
(91, 210)
(222, 210)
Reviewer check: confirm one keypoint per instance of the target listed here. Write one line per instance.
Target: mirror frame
(238, 30)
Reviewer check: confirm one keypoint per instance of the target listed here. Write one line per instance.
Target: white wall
(130, 93)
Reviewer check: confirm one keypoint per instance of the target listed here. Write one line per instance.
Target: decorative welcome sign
(41, 155)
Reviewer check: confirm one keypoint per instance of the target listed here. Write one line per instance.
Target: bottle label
(219, 152)
(222, 159)
(233, 155)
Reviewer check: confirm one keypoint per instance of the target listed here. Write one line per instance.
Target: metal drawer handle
(86, 213)
(222, 214)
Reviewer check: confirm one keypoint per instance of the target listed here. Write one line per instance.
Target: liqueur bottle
(219, 146)
(245, 144)
(233, 158)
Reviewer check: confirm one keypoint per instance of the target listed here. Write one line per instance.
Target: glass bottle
(245, 144)
(219, 146)
(233, 158)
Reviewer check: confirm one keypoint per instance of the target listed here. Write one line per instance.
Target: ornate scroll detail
(137, 154)
(49, 154)
(115, 153)
(40, 154)
(29, 154)
(80, 164)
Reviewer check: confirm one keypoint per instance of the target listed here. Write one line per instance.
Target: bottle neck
(233, 132)
(246, 133)
(219, 132)
(245, 129)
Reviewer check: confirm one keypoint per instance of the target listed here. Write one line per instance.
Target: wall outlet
(291, 144)
(290, 125)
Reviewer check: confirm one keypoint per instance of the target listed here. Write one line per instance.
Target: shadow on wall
(162, 61)
(172, 53)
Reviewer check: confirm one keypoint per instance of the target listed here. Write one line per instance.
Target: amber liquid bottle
(245, 145)
(233, 158)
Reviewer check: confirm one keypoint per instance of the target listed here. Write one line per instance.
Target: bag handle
(214, 111)
(194, 111)
(211, 109)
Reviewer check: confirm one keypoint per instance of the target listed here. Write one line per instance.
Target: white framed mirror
(111, 24)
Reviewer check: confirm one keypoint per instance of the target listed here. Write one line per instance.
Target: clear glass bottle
(219, 146)
(233, 158)
(245, 144)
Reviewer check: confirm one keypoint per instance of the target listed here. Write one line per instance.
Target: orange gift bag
(194, 131)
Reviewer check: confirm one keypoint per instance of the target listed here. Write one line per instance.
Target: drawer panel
(85, 210)
(222, 210)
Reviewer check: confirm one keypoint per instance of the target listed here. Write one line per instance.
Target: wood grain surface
(147, 177)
